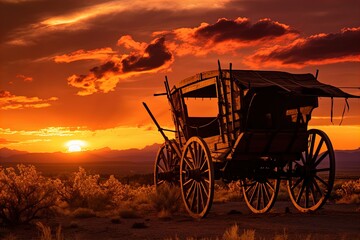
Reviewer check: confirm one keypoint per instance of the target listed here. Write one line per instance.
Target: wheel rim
(197, 177)
(166, 166)
(260, 193)
(312, 176)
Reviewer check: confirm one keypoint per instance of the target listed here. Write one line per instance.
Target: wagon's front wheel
(197, 177)
(260, 192)
(312, 176)
(166, 168)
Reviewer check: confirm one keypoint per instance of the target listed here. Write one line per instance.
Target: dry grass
(45, 232)
(166, 198)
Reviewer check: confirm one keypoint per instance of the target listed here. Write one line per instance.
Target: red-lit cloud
(101, 54)
(317, 49)
(25, 78)
(226, 36)
(143, 58)
(10, 101)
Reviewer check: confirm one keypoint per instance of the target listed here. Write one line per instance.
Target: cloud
(79, 18)
(10, 101)
(317, 49)
(4, 141)
(154, 57)
(25, 78)
(143, 58)
(101, 54)
(226, 36)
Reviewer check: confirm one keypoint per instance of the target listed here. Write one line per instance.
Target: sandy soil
(331, 222)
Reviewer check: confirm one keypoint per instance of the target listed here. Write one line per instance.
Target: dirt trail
(331, 222)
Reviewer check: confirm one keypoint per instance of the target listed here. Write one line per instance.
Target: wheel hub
(194, 174)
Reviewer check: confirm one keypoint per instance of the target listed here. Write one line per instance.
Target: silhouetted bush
(25, 194)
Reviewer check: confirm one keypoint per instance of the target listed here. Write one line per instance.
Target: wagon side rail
(173, 146)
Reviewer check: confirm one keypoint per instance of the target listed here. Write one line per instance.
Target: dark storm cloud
(243, 30)
(142, 58)
(319, 49)
(155, 55)
(99, 71)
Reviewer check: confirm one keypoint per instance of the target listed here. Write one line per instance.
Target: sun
(75, 146)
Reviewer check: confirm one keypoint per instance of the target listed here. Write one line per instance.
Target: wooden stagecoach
(259, 136)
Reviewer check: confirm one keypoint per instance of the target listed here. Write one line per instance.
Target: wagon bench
(259, 136)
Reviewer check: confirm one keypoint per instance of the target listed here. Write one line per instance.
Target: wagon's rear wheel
(312, 177)
(166, 168)
(197, 177)
(260, 191)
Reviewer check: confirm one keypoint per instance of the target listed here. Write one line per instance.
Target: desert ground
(333, 221)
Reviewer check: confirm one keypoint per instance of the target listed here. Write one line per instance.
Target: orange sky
(79, 70)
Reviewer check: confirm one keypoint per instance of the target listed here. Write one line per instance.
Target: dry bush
(349, 192)
(230, 192)
(87, 191)
(233, 234)
(25, 194)
(166, 198)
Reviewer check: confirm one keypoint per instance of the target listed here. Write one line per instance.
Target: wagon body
(258, 133)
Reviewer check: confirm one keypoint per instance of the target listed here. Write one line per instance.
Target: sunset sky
(79, 69)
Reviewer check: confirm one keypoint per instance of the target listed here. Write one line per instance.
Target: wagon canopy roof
(302, 84)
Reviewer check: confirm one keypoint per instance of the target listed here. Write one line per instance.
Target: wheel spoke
(203, 165)
(313, 137)
(160, 182)
(318, 149)
(191, 189)
(307, 196)
(317, 187)
(165, 161)
(269, 185)
(250, 186)
(297, 183)
(160, 167)
(258, 197)
(204, 188)
(267, 193)
(321, 158)
(188, 162)
(313, 195)
(255, 190)
(322, 181)
(187, 182)
(300, 193)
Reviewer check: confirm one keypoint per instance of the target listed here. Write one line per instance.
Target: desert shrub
(166, 198)
(233, 234)
(25, 194)
(83, 190)
(349, 192)
(228, 192)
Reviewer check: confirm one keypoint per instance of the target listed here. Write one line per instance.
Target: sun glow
(75, 146)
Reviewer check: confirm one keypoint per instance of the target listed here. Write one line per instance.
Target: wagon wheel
(312, 177)
(197, 177)
(166, 168)
(260, 192)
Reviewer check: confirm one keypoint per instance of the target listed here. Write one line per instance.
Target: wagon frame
(259, 136)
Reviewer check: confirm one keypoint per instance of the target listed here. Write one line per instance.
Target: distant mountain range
(99, 155)
(345, 159)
